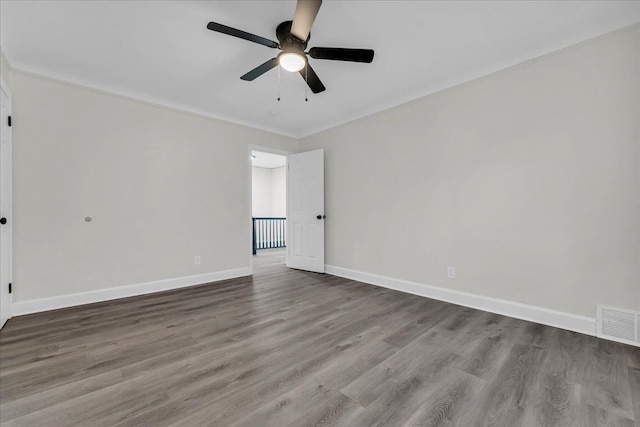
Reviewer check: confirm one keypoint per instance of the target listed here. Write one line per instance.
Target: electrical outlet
(196, 260)
(451, 272)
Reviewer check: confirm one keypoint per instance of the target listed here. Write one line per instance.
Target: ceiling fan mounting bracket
(287, 40)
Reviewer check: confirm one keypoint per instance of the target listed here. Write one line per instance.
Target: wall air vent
(619, 324)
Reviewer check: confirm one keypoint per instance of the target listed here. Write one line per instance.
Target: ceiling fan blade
(312, 79)
(342, 54)
(306, 11)
(260, 70)
(214, 26)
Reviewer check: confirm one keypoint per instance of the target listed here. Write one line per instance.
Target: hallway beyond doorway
(268, 258)
(268, 203)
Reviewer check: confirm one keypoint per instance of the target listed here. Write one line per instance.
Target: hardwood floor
(288, 347)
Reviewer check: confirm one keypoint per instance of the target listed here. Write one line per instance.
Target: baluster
(253, 235)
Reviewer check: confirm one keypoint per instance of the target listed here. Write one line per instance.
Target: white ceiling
(267, 160)
(161, 51)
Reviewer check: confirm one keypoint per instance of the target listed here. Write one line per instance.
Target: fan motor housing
(287, 40)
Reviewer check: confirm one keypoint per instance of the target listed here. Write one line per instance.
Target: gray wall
(269, 192)
(161, 186)
(527, 181)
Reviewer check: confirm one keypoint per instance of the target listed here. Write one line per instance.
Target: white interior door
(305, 211)
(5, 205)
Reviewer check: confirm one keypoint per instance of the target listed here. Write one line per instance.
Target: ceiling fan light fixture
(293, 37)
(292, 61)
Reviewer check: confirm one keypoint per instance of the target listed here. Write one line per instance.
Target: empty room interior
(301, 213)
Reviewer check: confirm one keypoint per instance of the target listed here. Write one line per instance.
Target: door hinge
(10, 288)
(9, 121)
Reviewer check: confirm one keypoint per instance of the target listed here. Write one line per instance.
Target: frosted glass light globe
(292, 61)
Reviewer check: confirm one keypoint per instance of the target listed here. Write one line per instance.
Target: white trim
(6, 89)
(70, 300)
(421, 93)
(399, 100)
(545, 316)
(270, 150)
(150, 101)
(9, 196)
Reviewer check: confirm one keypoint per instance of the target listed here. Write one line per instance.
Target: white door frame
(264, 149)
(9, 214)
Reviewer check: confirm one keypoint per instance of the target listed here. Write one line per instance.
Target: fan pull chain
(306, 78)
(278, 82)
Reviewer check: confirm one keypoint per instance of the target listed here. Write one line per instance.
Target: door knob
(321, 216)
(3, 221)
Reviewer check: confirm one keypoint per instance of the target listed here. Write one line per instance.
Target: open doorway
(268, 209)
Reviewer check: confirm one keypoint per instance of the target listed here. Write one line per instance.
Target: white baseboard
(545, 316)
(70, 300)
(572, 322)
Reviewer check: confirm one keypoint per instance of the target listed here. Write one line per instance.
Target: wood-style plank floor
(292, 348)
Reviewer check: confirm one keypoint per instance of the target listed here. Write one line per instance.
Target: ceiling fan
(293, 37)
